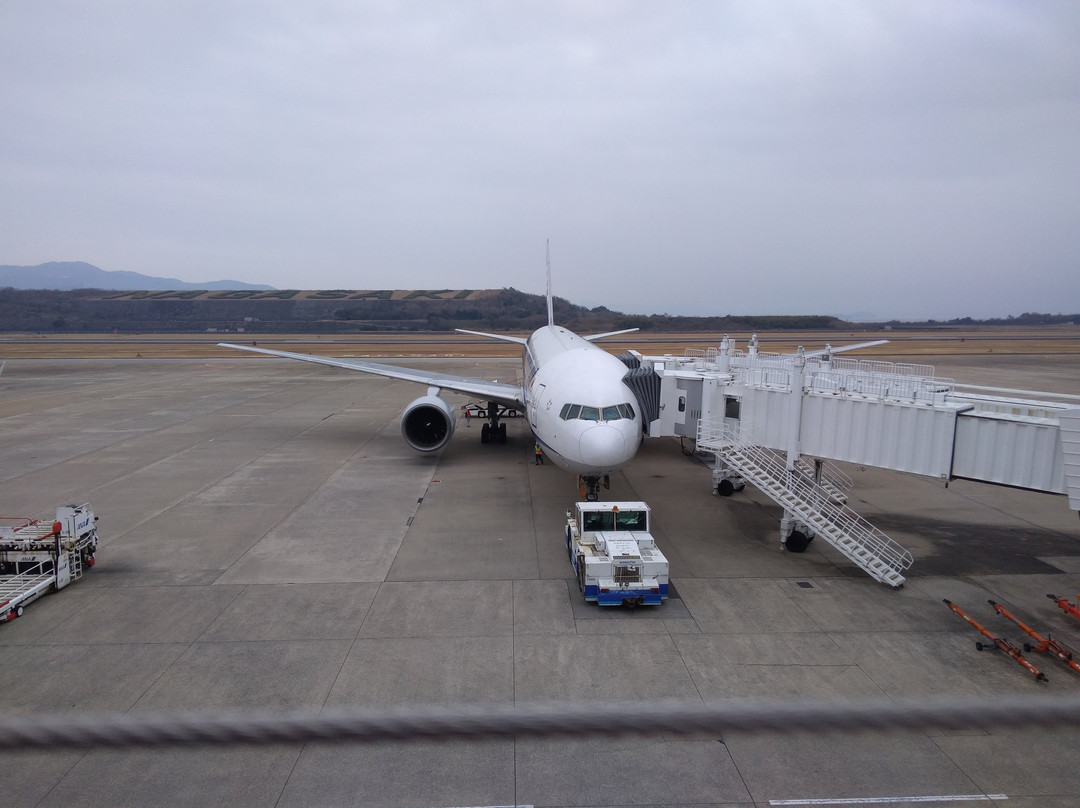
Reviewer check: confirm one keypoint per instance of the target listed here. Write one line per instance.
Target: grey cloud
(912, 159)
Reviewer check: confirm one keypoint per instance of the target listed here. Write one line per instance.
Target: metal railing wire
(491, 722)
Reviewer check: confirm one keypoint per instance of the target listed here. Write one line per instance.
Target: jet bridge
(773, 420)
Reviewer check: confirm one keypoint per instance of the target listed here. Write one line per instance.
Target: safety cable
(487, 722)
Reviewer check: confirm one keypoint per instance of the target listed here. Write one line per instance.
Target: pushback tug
(614, 555)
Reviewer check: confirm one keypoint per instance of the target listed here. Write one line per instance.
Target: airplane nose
(603, 446)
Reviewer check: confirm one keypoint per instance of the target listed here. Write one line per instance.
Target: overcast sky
(907, 159)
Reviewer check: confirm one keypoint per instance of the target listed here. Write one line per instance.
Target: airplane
(583, 415)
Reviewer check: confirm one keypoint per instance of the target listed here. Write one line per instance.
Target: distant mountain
(68, 275)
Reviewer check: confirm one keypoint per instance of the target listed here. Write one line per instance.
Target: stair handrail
(830, 474)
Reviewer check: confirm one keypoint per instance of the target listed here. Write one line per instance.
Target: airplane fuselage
(585, 418)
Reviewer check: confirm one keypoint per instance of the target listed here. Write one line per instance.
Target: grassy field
(1049, 340)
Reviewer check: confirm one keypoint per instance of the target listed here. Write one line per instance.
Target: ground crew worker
(468, 416)
(539, 455)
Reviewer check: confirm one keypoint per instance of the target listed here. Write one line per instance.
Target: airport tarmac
(269, 542)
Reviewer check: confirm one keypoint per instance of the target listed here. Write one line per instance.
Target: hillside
(68, 275)
(352, 311)
(340, 311)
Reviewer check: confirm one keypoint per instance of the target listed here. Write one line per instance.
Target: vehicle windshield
(595, 521)
(631, 520)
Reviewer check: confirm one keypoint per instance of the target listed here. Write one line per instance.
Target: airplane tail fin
(550, 304)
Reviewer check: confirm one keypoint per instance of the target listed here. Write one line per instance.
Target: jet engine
(427, 423)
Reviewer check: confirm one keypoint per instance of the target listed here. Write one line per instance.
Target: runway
(268, 542)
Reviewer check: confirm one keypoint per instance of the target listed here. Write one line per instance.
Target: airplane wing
(503, 337)
(510, 395)
(594, 337)
(828, 349)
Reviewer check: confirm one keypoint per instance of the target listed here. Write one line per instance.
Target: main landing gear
(494, 431)
(589, 486)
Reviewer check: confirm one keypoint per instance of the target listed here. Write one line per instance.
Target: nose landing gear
(589, 486)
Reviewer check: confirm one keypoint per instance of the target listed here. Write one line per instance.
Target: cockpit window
(612, 412)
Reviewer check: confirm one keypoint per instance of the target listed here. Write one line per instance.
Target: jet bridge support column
(795, 407)
(794, 534)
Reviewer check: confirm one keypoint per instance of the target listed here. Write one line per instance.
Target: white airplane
(581, 412)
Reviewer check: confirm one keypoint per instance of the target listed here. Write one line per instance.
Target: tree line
(354, 311)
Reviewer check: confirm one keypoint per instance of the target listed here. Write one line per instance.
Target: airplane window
(627, 411)
(573, 412)
(565, 410)
(611, 414)
(590, 413)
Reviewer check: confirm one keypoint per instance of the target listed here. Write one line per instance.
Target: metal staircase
(812, 503)
(827, 476)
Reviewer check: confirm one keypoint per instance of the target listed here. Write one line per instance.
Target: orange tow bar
(998, 642)
(1047, 644)
(1066, 606)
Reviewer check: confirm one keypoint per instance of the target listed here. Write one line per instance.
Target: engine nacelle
(427, 423)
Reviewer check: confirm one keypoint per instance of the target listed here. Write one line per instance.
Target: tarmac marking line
(893, 800)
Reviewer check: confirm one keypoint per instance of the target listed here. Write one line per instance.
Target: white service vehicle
(37, 557)
(614, 555)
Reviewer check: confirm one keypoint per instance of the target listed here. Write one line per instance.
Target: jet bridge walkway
(808, 407)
